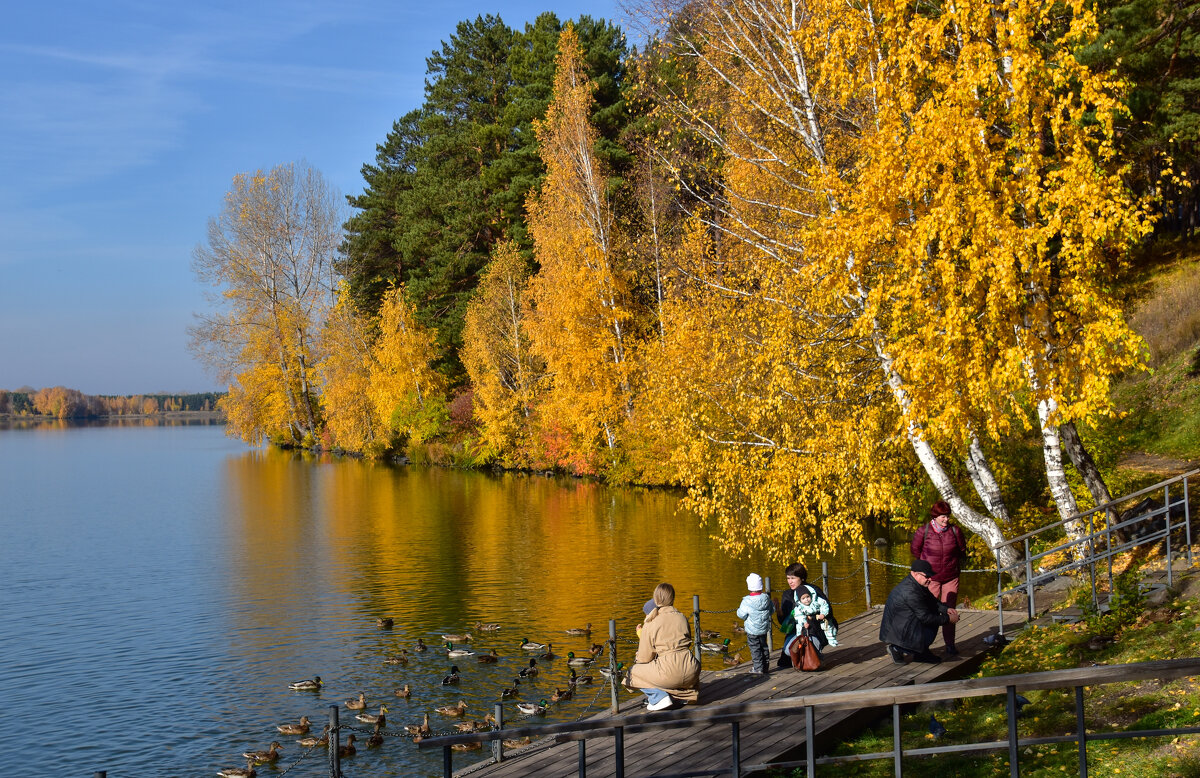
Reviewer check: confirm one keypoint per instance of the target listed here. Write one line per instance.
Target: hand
(820, 617)
(953, 614)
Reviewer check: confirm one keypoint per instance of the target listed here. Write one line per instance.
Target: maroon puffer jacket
(944, 550)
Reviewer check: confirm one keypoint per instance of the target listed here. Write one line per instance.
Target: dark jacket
(944, 550)
(911, 616)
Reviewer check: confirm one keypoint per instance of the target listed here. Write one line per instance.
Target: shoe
(951, 651)
(662, 704)
(896, 653)
(928, 657)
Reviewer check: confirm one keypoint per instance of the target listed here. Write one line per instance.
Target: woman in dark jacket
(912, 616)
(944, 546)
(797, 577)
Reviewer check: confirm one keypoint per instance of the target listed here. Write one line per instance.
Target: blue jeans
(654, 695)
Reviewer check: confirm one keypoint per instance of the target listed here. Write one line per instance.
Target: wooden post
(825, 577)
(335, 738)
(696, 626)
(612, 663)
(867, 576)
(737, 747)
(498, 743)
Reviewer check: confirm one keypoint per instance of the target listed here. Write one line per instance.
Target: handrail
(851, 700)
(1103, 507)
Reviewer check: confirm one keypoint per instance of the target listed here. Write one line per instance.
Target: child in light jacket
(757, 610)
(810, 608)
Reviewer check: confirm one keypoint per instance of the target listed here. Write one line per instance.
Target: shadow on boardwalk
(860, 662)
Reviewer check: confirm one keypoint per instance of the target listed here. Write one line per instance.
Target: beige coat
(664, 657)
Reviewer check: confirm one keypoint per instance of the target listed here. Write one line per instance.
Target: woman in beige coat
(665, 669)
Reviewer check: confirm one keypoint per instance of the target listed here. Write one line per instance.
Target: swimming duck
(358, 704)
(452, 678)
(492, 627)
(466, 746)
(420, 646)
(469, 726)
(596, 649)
(715, 647)
(296, 729)
(348, 749)
(581, 630)
(398, 659)
(521, 743)
(608, 673)
(453, 710)
(532, 708)
(418, 729)
(579, 680)
(561, 694)
(406, 692)
(489, 658)
(456, 638)
(371, 718)
(376, 738)
(263, 757)
(452, 651)
(531, 671)
(578, 661)
(239, 772)
(530, 645)
(306, 685)
(738, 629)
(708, 634)
(383, 622)
(508, 694)
(549, 654)
(733, 661)
(311, 742)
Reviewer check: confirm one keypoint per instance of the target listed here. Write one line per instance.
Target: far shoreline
(216, 416)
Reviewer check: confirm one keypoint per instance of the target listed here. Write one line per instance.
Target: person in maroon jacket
(944, 546)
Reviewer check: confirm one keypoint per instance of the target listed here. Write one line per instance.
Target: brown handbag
(804, 654)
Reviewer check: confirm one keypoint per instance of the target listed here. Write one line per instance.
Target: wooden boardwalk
(859, 662)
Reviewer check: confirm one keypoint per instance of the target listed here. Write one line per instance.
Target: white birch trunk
(1056, 475)
(985, 481)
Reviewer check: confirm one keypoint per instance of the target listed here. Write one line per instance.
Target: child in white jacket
(757, 609)
(807, 606)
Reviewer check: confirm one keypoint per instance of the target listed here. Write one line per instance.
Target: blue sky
(121, 127)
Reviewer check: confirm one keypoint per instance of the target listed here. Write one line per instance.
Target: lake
(164, 583)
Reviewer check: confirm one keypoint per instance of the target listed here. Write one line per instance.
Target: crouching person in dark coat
(912, 616)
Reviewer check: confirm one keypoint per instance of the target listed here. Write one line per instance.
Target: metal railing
(894, 696)
(1085, 551)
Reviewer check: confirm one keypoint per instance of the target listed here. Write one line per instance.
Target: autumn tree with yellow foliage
(408, 395)
(269, 256)
(499, 359)
(580, 322)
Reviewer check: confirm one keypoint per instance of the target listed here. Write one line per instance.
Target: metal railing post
(1167, 508)
(1013, 758)
(619, 752)
(810, 737)
(612, 662)
(867, 576)
(335, 744)
(1028, 581)
(1187, 521)
(1000, 596)
(447, 762)
(696, 626)
(1108, 554)
(583, 758)
(737, 746)
(498, 743)
(1081, 732)
(897, 753)
(771, 625)
(1092, 560)
(825, 577)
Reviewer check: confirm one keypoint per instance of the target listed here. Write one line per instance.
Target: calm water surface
(163, 584)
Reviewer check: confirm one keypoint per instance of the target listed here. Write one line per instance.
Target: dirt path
(1158, 465)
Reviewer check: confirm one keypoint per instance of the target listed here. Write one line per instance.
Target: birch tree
(269, 257)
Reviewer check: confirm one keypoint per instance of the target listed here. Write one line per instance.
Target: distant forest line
(59, 402)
